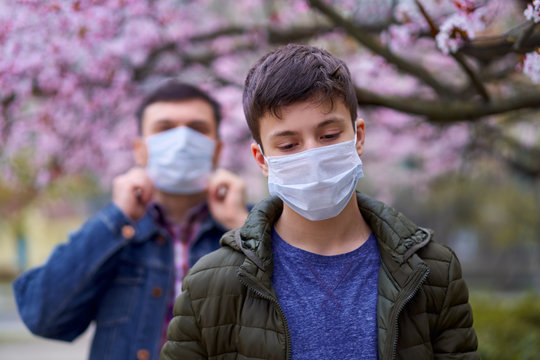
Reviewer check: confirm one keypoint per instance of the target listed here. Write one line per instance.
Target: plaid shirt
(183, 236)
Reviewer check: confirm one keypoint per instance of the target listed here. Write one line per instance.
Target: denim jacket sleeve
(59, 299)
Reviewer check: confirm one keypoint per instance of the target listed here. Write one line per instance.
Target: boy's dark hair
(173, 91)
(291, 74)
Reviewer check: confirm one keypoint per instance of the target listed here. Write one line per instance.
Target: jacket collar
(398, 237)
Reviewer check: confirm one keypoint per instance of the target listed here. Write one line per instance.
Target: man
(319, 271)
(125, 266)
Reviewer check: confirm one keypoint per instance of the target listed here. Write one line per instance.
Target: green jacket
(229, 309)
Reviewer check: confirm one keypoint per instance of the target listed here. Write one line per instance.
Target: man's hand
(132, 191)
(227, 199)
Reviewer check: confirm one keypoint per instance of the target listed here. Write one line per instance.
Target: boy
(123, 268)
(319, 271)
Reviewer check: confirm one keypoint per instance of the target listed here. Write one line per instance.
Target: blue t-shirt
(330, 302)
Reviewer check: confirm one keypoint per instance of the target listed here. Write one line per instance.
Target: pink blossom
(532, 12)
(531, 66)
(458, 28)
(401, 37)
(301, 6)
(71, 65)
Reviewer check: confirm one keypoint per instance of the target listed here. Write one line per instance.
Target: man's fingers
(224, 179)
(132, 191)
(141, 196)
(143, 187)
(227, 198)
(221, 192)
(217, 191)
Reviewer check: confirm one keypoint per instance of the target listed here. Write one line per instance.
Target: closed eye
(286, 147)
(163, 127)
(331, 136)
(201, 128)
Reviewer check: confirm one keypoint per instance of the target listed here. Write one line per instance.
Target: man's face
(306, 125)
(196, 114)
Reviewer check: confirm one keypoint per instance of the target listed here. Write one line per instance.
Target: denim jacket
(112, 271)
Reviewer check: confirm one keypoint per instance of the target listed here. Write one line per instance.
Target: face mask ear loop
(265, 158)
(355, 133)
(262, 153)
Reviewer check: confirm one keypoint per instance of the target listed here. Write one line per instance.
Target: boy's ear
(360, 135)
(140, 152)
(259, 158)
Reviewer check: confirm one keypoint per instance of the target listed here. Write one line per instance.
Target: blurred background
(448, 89)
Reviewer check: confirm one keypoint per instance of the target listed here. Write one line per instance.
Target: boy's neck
(177, 206)
(338, 235)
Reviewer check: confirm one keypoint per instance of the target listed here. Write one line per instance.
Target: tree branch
(296, 33)
(372, 44)
(5, 103)
(522, 158)
(522, 39)
(449, 111)
(274, 36)
(475, 79)
(144, 70)
(212, 35)
(460, 59)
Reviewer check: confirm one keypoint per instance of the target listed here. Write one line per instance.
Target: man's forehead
(179, 111)
(178, 108)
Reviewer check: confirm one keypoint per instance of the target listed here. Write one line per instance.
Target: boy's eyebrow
(332, 120)
(283, 133)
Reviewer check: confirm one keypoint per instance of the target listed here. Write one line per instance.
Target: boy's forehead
(304, 115)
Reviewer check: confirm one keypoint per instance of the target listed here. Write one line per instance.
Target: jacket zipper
(276, 303)
(402, 306)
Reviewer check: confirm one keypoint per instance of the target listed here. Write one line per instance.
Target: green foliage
(500, 208)
(508, 328)
(20, 195)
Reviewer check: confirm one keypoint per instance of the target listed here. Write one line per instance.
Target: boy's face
(306, 125)
(196, 114)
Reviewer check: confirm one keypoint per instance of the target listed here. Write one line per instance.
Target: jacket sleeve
(59, 299)
(455, 337)
(184, 333)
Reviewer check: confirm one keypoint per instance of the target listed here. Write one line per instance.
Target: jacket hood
(398, 237)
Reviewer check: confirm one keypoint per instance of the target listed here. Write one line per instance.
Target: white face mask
(316, 183)
(180, 160)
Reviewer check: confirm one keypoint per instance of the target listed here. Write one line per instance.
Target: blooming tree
(437, 81)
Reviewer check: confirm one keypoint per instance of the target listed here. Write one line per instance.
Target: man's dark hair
(292, 74)
(173, 91)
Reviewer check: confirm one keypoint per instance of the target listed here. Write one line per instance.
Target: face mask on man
(180, 160)
(316, 183)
